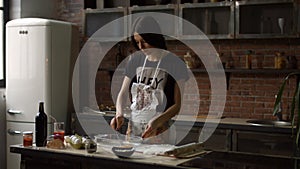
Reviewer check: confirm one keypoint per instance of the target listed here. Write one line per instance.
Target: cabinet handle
(13, 132)
(9, 111)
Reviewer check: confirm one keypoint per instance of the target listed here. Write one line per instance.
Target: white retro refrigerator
(39, 58)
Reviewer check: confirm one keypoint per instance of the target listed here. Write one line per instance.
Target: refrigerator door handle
(13, 132)
(9, 111)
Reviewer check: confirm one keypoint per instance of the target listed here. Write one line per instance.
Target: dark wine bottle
(41, 126)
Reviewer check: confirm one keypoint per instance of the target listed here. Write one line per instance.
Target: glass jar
(90, 146)
(27, 138)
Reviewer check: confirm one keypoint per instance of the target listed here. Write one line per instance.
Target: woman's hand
(117, 122)
(157, 124)
(154, 127)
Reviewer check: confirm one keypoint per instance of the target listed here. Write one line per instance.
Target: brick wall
(249, 95)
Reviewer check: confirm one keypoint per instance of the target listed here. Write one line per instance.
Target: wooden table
(69, 158)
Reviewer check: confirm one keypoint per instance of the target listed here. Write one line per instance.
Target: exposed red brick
(248, 95)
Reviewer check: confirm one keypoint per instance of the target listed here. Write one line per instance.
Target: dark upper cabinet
(216, 20)
(266, 19)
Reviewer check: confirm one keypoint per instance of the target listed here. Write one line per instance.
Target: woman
(154, 78)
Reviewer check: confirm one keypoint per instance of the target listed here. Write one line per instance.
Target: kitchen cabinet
(187, 134)
(236, 160)
(263, 143)
(170, 31)
(94, 19)
(78, 159)
(259, 140)
(92, 4)
(260, 19)
(230, 135)
(69, 158)
(32, 9)
(220, 140)
(217, 20)
(48, 163)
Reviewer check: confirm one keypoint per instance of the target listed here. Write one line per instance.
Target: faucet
(278, 114)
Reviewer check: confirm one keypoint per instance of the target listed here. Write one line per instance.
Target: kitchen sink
(238, 160)
(269, 123)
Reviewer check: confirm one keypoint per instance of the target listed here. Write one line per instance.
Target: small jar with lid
(280, 62)
(90, 145)
(27, 138)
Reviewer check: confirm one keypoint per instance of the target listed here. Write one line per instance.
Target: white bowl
(112, 140)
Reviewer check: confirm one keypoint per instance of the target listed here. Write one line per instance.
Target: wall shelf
(252, 71)
(228, 72)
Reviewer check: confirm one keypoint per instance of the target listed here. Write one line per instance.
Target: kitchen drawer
(187, 134)
(263, 143)
(219, 140)
(48, 163)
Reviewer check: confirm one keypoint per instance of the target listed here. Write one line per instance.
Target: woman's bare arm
(118, 120)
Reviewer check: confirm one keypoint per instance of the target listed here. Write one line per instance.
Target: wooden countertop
(71, 153)
(38, 157)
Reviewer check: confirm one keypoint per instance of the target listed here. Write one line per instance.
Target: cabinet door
(215, 20)
(96, 19)
(219, 140)
(261, 19)
(34, 162)
(263, 143)
(187, 134)
(169, 23)
(33, 9)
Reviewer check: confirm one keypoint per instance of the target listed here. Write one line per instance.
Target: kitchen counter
(231, 123)
(69, 158)
(236, 134)
(35, 157)
(231, 134)
(223, 123)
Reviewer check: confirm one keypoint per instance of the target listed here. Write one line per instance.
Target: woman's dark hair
(148, 28)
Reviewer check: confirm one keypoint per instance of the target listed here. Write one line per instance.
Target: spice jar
(248, 64)
(188, 60)
(27, 138)
(279, 60)
(90, 146)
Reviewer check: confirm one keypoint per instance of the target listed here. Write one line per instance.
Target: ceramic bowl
(123, 151)
(115, 140)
